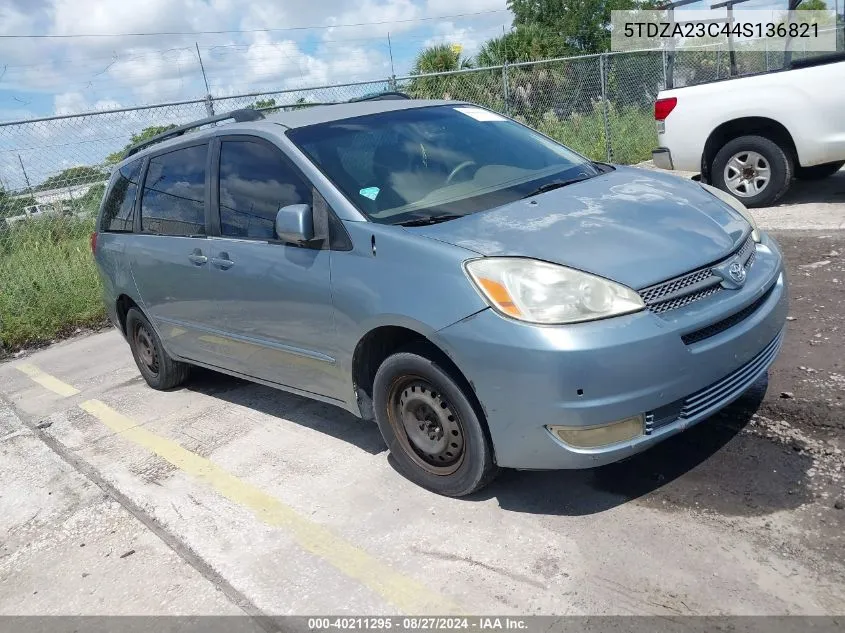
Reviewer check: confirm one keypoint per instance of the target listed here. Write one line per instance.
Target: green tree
(265, 105)
(582, 25)
(144, 135)
(527, 42)
(438, 59)
(73, 176)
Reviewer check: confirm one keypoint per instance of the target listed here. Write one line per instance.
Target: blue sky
(46, 76)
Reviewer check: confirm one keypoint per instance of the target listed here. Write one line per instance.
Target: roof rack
(381, 96)
(240, 116)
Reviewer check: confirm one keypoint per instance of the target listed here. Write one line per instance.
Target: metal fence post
(505, 88)
(209, 105)
(604, 106)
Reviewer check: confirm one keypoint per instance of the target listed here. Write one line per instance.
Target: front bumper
(527, 377)
(662, 158)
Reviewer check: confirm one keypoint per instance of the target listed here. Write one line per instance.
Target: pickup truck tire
(754, 169)
(158, 369)
(435, 436)
(817, 172)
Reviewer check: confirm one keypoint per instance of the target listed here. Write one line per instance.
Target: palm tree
(438, 59)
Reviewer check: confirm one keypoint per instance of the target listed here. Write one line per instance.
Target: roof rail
(381, 96)
(240, 116)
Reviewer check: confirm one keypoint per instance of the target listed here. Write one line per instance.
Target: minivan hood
(633, 226)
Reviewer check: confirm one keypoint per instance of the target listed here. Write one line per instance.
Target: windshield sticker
(370, 192)
(480, 114)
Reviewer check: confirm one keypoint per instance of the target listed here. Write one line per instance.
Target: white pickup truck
(751, 135)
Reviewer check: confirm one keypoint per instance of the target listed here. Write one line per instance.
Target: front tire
(430, 426)
(753, 169)
(156, 366)
(817, 172)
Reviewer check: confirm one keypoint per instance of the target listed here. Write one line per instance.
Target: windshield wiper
(557, 184)
(429, 219)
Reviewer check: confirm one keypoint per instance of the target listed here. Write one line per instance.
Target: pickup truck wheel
(430, 426)
(158, 369)
(817, 172)
(753, 169)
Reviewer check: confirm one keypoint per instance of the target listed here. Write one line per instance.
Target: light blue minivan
(489, 297)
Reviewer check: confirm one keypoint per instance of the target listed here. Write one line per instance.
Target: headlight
(539, 292)
(737, 206)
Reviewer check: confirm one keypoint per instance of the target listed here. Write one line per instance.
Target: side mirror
(295, 223)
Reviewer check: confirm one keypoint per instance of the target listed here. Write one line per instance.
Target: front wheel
(817, 172)
(430, 426)
(754, 169)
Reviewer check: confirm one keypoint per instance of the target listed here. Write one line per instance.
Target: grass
(48, 282)
(632, 132)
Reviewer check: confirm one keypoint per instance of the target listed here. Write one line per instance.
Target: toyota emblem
(737, 273)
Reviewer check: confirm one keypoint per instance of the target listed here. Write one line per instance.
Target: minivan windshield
(435, 163)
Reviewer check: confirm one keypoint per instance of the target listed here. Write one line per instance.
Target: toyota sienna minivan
(490, 298)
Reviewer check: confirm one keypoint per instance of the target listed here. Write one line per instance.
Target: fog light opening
(599, 436)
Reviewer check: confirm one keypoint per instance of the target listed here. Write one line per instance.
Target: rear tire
(156, 366)
(754, 169)
(429, 424)
(817, 172)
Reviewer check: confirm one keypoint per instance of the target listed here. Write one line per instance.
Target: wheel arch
(122, 306)
(378, 343)
(745, 126)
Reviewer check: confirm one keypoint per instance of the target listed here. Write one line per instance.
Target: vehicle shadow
(831, 189)
(322, 417)
(710, 467)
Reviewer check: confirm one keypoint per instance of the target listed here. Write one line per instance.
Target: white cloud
(72, 75)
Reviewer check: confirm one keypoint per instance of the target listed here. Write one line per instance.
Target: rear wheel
(754, 169)
(817, 172)
(431, 427)
(158, 369)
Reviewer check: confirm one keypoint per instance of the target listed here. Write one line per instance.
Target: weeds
(48, 282)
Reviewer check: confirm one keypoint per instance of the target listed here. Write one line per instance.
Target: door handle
(197, 257)
(222, 261)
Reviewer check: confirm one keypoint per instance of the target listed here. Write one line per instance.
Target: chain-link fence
(53, 170)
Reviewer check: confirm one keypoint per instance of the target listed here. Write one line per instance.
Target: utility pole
(392, 69)
(25, 177)
(209, 104)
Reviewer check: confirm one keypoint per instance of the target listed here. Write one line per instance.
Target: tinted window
(255, 180)
(435, 161)
(119, 210)
(174, 193)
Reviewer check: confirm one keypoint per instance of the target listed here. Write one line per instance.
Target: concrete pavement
(269, 503)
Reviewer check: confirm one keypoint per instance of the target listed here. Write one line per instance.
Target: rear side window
(255, 181)
(173, 202)
(119, 209)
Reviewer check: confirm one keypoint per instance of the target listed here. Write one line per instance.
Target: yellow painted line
(405, 593)
(46, 380)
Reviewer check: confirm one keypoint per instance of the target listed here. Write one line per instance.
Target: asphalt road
(227, 497)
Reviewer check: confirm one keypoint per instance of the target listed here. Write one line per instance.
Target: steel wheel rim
(428, 428)
(747, 174)
(147, 353)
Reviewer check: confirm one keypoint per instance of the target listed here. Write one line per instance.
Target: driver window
(255, 181)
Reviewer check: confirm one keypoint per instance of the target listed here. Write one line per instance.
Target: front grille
(724, 324)
(694, 286)
(731, 385)
(719, 393)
